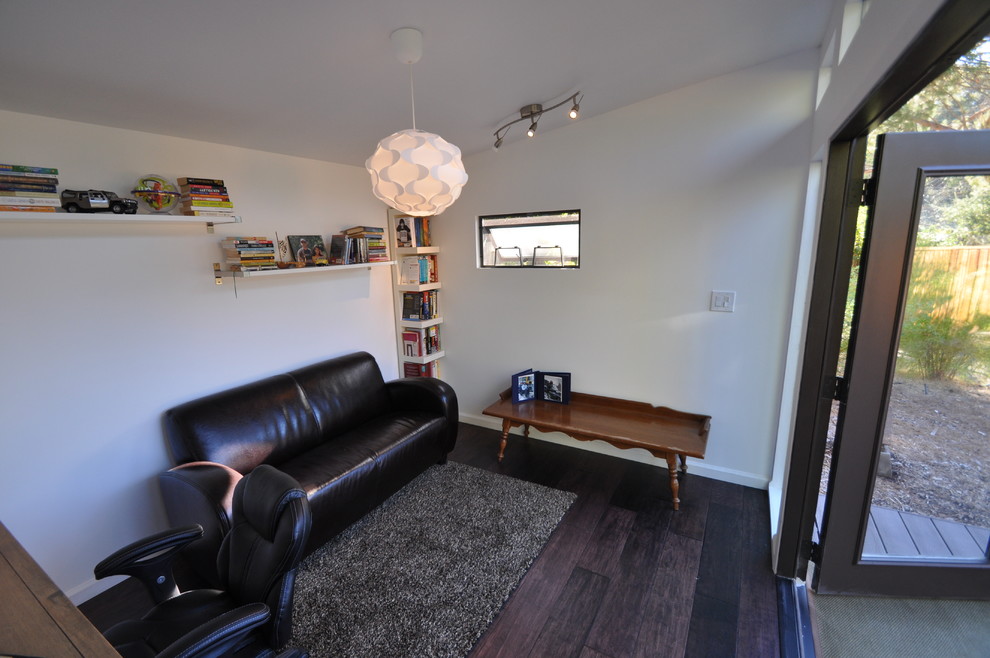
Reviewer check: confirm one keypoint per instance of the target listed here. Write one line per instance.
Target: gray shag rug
(425, 573)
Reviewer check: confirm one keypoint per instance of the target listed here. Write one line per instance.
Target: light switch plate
(723, 301)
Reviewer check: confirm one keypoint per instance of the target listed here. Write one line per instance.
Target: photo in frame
(308, 250)
(524, 386)
(554, 387)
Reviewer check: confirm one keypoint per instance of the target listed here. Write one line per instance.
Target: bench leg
(674, 485)
(506, 426)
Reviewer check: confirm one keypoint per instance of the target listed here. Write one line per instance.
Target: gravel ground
(937, 434)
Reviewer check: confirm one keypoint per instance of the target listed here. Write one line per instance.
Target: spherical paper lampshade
(416, 172)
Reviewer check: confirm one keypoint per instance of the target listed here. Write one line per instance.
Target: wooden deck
(890, 533)
(904, 534)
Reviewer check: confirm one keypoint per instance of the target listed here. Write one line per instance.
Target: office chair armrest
(219, 636)
(150, 560)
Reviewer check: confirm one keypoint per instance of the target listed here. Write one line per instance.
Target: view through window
(541, 239)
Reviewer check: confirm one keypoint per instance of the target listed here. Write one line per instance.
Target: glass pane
(931, 496)
(550, 239)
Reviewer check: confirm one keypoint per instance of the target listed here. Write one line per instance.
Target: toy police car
(97, 201)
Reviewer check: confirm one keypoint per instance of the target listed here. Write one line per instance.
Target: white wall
(694, 190)
(106, 327)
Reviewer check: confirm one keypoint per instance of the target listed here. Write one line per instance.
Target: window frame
(482, 231)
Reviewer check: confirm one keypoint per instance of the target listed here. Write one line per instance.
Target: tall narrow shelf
(419, 357)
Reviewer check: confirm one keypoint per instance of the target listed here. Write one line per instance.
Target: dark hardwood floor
(623, 574)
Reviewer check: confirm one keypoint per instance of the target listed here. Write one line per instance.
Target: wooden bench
(663, 432)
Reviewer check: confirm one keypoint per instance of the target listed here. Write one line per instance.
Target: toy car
(97, 201)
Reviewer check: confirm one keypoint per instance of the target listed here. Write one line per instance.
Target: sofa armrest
(426, 394)
(200, 493)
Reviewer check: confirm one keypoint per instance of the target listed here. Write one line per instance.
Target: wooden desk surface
(36, 618)
(623, 423)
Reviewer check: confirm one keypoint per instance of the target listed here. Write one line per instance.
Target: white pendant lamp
(413, 171)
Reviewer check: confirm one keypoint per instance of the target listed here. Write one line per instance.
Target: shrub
(939, 346)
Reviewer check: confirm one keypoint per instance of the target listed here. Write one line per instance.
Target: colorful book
(27, 169)
(29, 201)
(28, 209)
(205, 182)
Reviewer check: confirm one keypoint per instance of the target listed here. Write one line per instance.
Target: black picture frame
(524, 386)
(554, 387)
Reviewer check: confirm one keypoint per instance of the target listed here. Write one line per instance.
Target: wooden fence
(967, 277)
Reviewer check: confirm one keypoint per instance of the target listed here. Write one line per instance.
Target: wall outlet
(723, 301)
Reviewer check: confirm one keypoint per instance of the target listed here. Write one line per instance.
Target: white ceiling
(318, 78)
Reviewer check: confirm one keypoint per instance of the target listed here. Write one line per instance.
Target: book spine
(205, 182)
(208, 213)
(37, 195)
(204, 197)
(28, 209)
(29, 170)
(202, 189)
(11, 177)
(27, 187)
(28, 201)
(194, 205)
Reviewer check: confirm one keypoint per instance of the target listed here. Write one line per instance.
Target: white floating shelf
(110, 218)
(296, 271)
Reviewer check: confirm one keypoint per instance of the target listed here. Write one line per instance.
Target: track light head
(575, 111)
(532, 130)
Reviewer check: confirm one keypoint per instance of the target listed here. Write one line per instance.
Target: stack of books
(206, 197)
(364, 244)
(411, 369)
(420, 305)
(419, 270)
(420, 342)
(249, 254)
(412, 231)
(28, 188)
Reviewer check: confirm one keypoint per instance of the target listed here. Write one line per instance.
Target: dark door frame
(953, 31)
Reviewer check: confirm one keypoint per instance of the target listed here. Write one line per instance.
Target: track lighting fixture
(534, 112)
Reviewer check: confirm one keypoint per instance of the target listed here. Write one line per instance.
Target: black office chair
(252, 614)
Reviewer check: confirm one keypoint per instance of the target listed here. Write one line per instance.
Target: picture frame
(524, 386)
(554, 387)
(308, 250)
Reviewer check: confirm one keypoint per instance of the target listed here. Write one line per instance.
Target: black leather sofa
(349, 438)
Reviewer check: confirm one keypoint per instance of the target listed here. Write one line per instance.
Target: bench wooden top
(623, 423)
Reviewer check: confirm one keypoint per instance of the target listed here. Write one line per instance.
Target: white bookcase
(419, 356)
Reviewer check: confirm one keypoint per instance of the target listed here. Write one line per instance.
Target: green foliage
(933, 344)
(956, 100)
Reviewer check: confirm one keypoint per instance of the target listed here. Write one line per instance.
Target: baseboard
(88, 589)
(696, 466)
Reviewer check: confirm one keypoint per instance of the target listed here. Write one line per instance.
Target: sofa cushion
(339, 480)
(343, 392)
(263, 422)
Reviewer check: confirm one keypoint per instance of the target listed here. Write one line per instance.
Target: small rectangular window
(538, 239)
